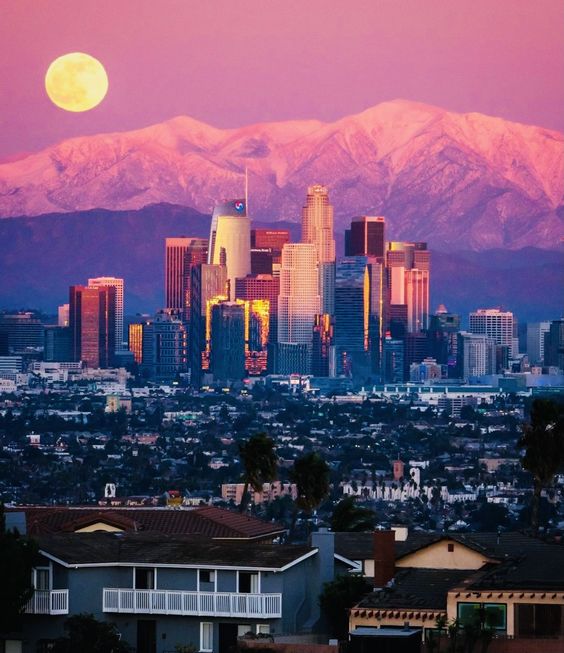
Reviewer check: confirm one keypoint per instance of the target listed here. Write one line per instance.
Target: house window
(206, 636)
(249, 582)
(450, 547)
(539, 620)
(41, 579)
(493, 615)
(243, 629)
(206, 580)
(263, 629)
(145, 578)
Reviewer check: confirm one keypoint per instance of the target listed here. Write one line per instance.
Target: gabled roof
(359, 546)
(92, 549)
(209, 521)
(418, 589)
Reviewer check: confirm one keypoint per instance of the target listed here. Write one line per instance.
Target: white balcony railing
(210, 604)
(48, 602)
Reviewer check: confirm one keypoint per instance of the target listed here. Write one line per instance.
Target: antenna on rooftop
(247, 190)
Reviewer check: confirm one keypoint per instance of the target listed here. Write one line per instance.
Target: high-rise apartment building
(476, 355)
(494, 323)
(118, 285)
(366, 237)
(165, 345)
(175, 252)
(207, 282)
(298, 302)
(230, 237)
(92, 324)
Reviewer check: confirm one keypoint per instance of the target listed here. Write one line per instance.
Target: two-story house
(162, 590)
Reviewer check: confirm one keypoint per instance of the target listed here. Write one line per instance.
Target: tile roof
(208, 520)
(412, 588)
(159, 549)
(359, 546)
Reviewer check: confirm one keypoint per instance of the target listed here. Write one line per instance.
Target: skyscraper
(554, 345)
(230, 235)
(352, 315)
(323, 351)
(92, 324)
(164, 353)
(298, 303)
(227, 354)
(135, 341)
(207, 282)
(317, 229)
(196, 253)
(118, 285)
(366, 237)
(535, 341)
(175, 252)
(63, 315)
(476, 355)
(494, 323)
(408, 266)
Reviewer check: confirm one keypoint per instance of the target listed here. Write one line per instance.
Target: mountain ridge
(51, 252)
(455, 180)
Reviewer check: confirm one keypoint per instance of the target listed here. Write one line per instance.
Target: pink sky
(234, 62)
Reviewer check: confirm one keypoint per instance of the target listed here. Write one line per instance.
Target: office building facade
(119, 308)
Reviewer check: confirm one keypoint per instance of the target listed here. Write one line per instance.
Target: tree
(18, 556)
(337, 597)
(310, 473)
(88, 635)
(349, 517)
(259, 463)
(543, 441)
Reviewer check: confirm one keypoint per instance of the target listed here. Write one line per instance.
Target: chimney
(384, 557)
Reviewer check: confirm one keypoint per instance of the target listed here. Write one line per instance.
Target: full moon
(76, 82)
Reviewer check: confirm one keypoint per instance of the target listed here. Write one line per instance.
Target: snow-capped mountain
(463, 180)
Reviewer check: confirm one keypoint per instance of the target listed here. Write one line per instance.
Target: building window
(450, 547)
(206, 636)
(206, 580)
(539, 620)
(41, 580)
(144, 578)
(493, 615)
(243, 629)
(263, 629)
(249, 582)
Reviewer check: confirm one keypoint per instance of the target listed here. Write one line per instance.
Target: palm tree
(543, 441)
(310, 473)
(259, 462)
(351, 518)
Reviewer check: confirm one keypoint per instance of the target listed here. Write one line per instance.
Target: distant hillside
(455, 180)
(42, 256)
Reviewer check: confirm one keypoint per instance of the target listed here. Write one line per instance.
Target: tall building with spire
(118, 285)
(230, 237)
(298, 304)
(317, 229)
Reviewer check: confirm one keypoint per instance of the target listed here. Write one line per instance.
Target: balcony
(208, 604)
(48, 602)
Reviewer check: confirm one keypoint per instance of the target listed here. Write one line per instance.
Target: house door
(227, 638)
(146, 636)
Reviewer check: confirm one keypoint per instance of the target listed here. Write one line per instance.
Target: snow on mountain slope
(464, 180)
